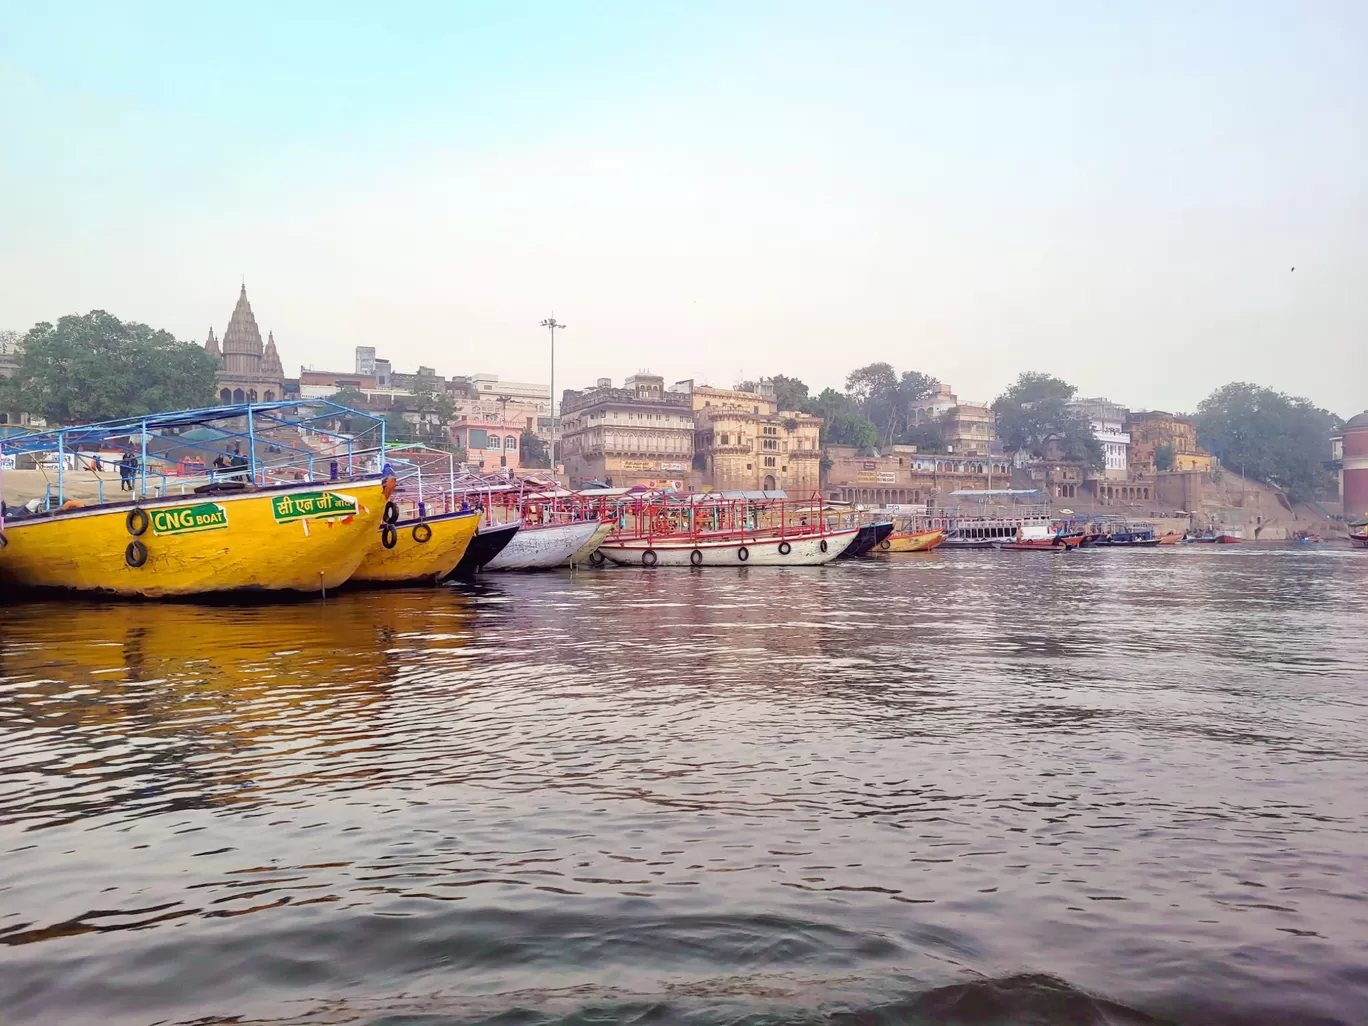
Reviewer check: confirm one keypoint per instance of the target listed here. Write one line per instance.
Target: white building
(1108, 422)
(489, 386)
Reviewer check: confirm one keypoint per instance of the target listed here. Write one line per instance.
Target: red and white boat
(812, 549)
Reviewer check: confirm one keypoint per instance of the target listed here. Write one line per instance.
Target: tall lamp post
(551, 324)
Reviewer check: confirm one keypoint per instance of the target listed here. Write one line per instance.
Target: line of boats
(273, 521)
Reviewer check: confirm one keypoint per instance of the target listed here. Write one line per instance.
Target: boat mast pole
(61, 462)
(551, 324)
(251, 443)
(142, 463)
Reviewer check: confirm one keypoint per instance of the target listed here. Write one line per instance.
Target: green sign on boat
(207, 516)
(289, 508)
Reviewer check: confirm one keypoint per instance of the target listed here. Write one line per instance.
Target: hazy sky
(1114, 193)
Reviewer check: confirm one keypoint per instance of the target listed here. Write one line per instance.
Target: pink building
(490, 430)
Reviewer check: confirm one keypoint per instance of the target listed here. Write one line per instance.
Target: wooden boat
(271, 526)
(813, 549)
(584, 553)
(916, 541)
(489, 541)
(868, 537)
(1359, 536)
(303, 538)
(418, 551)
(1037, 545)
(543, 546)
(1170, 538)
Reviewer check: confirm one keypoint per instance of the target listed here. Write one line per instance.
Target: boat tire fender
(136, 554)
(743, 553)
(785, 548)
(391, 515)
(137, 522)
(597, 558)
(422, 533)
(885, 544)
(389, 537)
(696, 557)
(649, 558)
(824, 545)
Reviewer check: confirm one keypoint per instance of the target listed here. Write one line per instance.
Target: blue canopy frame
(295, 413)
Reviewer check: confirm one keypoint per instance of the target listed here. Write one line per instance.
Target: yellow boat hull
(921, 541)
(418, 556)
(305, 538)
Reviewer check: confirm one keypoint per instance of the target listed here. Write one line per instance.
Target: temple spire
(270, 360)
(211, 346)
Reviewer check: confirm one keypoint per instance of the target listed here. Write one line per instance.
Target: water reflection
(718, 796)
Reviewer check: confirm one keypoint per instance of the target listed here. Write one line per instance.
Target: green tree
(96, 367)
(1163, 457)
(927, 437)
(1034, 416)
(789, 393)
(1268, 436)
(842, 421)
(748, 386)
(535, 452)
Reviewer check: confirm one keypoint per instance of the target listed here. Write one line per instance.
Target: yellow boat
(919, 541)
(307, 537)
(418, 551)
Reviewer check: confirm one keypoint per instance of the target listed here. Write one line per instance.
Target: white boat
(802, 550)
(543, 546)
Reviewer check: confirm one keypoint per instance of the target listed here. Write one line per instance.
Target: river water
(968, 788)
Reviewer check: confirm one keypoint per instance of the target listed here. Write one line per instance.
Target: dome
(1357, 423)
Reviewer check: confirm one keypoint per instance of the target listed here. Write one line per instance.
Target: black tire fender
(785, 548)
(597, 558)
(824, 545)
(743, 553)
(136, 554)
(885, 544)
(649, 558)
(389, 537)
(137, 523)
(391, 514)
(422, 533)
(696, 557)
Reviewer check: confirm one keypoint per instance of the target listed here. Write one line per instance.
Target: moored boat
(303, 538)
(914, 541)
(489, 541)
(867, 538)
(543, 546)
(1358, 532)
(260, 521)
(585, 552)
(813, 549)
(418, 551)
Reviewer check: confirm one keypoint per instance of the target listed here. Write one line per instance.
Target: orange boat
(916, 541)
(1171, 538)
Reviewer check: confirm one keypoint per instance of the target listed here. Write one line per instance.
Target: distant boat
(1358, 532)
(811, 549)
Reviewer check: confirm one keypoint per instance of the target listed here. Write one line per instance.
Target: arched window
(270, 396)
(238, 396)
(511, 442)
(251, 395)
(226, 395)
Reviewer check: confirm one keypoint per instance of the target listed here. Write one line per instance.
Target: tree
(842, 421)
(535, 452)
(1034, 416)
(1163, 457)
(97, 367)
(748, 386)
(887, 399)
(789, 393)
(1268, 436)
(927, 437)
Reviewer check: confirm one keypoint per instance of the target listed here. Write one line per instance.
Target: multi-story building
(638, 434)
(1108, 423)
(489, 386)
(248, 371)
(371, 366)
(1153, 429)
(968, 429)
(743, 441)
(904, 476)
(934, 406)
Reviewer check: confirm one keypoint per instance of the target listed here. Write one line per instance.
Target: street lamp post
(551, 324)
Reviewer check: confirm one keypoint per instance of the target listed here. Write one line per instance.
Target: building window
(771, 443)
(726, 439)
(769, 461)
(511, 442)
